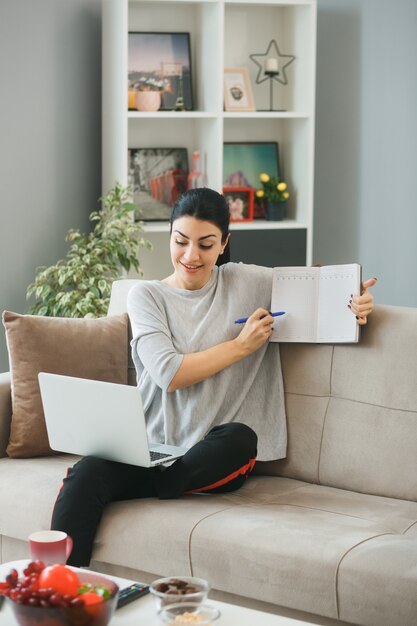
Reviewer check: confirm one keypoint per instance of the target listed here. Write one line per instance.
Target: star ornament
(284, 61)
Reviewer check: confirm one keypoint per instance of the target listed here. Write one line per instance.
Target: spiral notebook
(315, 300)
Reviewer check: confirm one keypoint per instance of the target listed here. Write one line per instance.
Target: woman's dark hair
(209, 206)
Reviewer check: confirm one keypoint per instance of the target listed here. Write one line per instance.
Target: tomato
(60, 578)
(91, 597)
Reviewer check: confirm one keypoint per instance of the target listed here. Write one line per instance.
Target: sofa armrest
(5, 411)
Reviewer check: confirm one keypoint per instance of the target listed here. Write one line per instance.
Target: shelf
(183, 115)
(290, 115)
(259, 115)
(279, 3)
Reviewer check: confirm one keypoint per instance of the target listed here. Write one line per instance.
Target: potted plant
(275, 195)
(80, 284)
(148, 93)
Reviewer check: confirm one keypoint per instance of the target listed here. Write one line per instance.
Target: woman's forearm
(198, 366)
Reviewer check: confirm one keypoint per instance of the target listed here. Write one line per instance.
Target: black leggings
(219, 463)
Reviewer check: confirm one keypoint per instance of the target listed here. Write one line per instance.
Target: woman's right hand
(256, 331)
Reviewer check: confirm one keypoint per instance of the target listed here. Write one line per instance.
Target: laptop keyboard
(156, 456)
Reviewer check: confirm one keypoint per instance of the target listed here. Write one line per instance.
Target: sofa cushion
(300, 550)
(87, 348)
(377, 582)
(352, 409)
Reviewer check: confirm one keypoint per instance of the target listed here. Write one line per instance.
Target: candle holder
(272, 68)
(271, 74)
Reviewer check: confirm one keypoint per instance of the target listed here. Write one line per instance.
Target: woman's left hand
(363, 305)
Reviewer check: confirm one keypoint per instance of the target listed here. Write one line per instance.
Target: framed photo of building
(240, 203)
(237, 90)
(158, 177)
(162, 61)
(244, 161)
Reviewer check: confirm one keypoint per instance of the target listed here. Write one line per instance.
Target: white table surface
(142, 612)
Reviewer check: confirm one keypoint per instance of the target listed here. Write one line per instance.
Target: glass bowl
(92, 615)
(179, 589)
(185, 613)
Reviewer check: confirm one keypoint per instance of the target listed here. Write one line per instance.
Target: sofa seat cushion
(28, 493)
(301, 549)
(154, 535)
(378, 582)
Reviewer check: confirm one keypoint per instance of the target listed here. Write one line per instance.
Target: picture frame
(238, 94)
(158, 177)
(244, 161)
(240, 202)
(162, 60)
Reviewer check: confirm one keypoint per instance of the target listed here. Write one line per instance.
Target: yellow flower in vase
(274, 194)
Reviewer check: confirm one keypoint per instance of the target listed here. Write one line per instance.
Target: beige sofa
(331, 530)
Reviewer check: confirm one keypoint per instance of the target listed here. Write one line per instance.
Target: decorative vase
(148, 100)
(195, 177)
(275, 211)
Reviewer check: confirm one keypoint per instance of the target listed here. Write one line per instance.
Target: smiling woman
(207, 384)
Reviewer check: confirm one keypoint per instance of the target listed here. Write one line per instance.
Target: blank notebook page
(295, 291)
(336, 322)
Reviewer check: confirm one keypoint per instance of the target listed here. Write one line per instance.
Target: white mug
(50, 546)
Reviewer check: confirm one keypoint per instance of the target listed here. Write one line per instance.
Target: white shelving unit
(223, 33)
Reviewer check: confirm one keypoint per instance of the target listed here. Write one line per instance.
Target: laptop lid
(95, 418)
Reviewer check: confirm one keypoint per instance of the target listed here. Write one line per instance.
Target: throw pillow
(87, 348)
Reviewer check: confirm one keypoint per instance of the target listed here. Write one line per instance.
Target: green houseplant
(80, 284)
(275, 194)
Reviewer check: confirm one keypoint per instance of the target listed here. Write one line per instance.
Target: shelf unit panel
(203, 21)
(295, 154)
(192, 133)
(292, 28)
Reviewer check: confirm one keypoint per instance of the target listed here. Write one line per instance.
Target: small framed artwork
(240, 203)
(161, 62)
(237, 90)
(244, 161)
(158, 177)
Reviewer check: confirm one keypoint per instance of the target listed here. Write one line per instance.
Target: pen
(243, 320)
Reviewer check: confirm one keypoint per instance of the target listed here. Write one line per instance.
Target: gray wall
(366, 142)
(366, 138)
(50, 134)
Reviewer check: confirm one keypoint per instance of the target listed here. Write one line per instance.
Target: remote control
(128, 594)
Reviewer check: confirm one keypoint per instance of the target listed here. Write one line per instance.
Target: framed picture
(158, 177)
(162, 61)
(237, 90)
(244, 161)
(240, 203)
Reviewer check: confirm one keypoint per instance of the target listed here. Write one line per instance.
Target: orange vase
(131, 99)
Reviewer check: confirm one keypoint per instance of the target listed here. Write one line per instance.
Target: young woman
(206, 383)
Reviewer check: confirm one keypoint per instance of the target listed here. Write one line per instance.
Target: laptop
(94, 418)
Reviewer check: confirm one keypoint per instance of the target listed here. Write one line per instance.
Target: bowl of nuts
(183, 613)
(179, 589)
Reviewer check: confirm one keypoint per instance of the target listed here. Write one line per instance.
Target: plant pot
(148, 100)
(275, 211)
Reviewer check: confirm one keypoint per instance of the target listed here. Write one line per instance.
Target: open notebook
(315, 300)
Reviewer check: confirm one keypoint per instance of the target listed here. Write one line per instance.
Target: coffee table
(142, 612)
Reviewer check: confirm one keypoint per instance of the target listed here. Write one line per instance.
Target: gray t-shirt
(168, 322)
